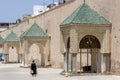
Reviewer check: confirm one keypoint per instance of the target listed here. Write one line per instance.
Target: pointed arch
(13, 55)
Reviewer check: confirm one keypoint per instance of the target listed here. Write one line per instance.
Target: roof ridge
(78, 11)
(34, 30)
(30, 28)
(85, 15)
(13, 35)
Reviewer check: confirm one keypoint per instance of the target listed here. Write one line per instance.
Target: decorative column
(42, 59)
(106, 42)
(103, 64)
(99, 58)
(43, 55)
(47, 52)
(18, 54)
(19, 58)
(73, 49)
(105, 52)
(74, 60)
(6, 58)
(25, 53)
(21, 52)
(5, 51)
(65, 62)
(65, 52)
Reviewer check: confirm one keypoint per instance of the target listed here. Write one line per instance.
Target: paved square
(14, 72)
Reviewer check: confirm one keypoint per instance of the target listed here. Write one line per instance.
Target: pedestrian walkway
(14, 72)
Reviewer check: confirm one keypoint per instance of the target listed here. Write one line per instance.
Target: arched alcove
(89, 41)
(89, 53)
(36, 53)
(13, 55)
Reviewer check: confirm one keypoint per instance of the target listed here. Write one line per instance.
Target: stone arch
(89, 41)
(89, 53)
(36, 53)
(13, 53)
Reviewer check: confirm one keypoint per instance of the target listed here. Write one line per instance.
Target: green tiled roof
(1, 40)
(12, 37)
(35, 30)
(85, 15)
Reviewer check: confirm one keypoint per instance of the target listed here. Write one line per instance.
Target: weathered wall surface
(51, 20)
(110, 9)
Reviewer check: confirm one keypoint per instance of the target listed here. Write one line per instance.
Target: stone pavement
(14, 72)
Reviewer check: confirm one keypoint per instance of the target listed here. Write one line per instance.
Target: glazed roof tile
(85, 15)
(34, 30)
(12, 37)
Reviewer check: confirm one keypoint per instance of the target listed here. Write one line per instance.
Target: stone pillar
(23, 60)
(69, 62)
(46, 53)
(106, 42)
(43, 57)
(103, 64)
(21, 52)
(18, 54)
(107, 57)
(19, 58)
(74, 69)
(105, 50)
(73, 49)
(65, 62)
(25, 53)
(6, 58)
(43, 60)
(5, 51)
(98, 62)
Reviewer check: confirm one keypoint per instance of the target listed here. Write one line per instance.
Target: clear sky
(11, 10)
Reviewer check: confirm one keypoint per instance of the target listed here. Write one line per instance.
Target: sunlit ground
(14, 72)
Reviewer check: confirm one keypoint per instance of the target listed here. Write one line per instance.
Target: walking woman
(33, 68)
